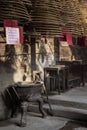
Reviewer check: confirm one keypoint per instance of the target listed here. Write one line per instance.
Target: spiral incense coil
(74, 29)
(83, 9)
(11, 9)
(27, 2)
(72, 16)
(46, 17)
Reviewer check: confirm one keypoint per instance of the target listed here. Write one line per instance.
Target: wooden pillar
(56, 50)
(33, 54)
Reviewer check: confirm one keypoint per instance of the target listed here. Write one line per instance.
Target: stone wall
(12, 65)
(4, 112)
(15, 61)
(79, 52)
(74, 51)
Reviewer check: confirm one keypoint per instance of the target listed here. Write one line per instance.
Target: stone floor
(49, 123)
(78, 94)
(34, 121)
(37, 123)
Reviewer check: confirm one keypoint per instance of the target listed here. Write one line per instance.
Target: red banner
(10, 23)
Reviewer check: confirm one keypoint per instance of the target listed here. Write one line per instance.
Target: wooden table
(81, 70)
(80, 66)
(54, 72)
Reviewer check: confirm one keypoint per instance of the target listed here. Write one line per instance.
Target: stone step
(63, 111)
(69, 102)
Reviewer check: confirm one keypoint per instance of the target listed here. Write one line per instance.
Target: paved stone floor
(78, 94)
(35, 122)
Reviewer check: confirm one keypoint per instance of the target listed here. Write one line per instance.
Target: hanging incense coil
(27, 2)
(74, 29)
(72, 16)
(11, 9)
(28, 5)
(46, 17)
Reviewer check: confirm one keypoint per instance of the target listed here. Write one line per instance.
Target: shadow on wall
(79, 52)
(6, 67)
(6, 74)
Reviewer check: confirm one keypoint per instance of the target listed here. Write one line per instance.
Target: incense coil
(11, 9)
(46, 17)
(27, 2)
